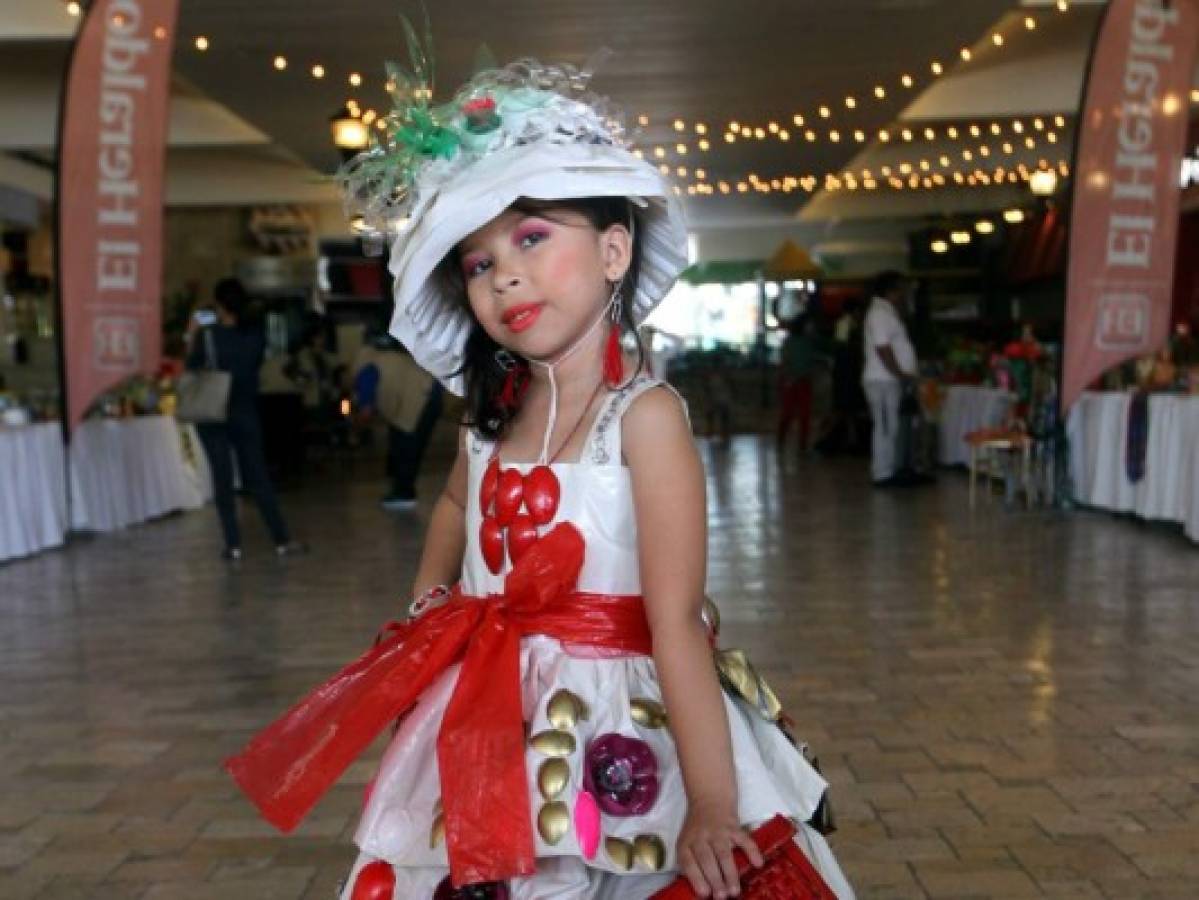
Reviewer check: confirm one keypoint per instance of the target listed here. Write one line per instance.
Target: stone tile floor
(1003, 701)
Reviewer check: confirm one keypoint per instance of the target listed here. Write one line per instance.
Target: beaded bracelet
(434, 596)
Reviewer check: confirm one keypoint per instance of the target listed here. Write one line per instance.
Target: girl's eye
(532, 238)
(476, 266)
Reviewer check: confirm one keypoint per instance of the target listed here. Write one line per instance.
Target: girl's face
(536, 282)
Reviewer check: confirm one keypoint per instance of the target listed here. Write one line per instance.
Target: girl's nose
(505, 281)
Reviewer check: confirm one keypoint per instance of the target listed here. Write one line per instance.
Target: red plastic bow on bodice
(290, 765)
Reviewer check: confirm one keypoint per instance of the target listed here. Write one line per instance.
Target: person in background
(799, 362)
(311, 368)
(281, 411)
(238, 350)
(848, 400)
(388, 383)
(890, 363)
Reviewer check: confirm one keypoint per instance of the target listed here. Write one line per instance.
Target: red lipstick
(521, 317)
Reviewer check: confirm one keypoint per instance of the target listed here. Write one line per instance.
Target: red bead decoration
(487, 489)
(513, 507)
(491, 542)
(522, 534)
(508, 496)
(542, 494)
(375, 881)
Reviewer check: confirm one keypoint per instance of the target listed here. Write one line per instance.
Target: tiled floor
(1004, 702)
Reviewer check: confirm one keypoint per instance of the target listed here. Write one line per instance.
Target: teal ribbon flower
(423, 135)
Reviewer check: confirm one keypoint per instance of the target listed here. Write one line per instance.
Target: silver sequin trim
(600, 454)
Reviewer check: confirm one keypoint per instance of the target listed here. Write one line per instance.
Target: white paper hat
(526, 130)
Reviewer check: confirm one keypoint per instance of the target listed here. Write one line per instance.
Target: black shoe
(231, 554)
(912, 478)
(291, 548)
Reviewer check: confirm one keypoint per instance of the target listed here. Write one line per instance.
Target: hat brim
(435, 325)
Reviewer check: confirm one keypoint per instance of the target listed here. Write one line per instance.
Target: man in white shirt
(890, 360)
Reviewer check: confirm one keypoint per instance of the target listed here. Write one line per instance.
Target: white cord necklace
(552, 419)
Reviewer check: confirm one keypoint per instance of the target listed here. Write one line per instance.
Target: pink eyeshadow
(470, 261)
(529, 228)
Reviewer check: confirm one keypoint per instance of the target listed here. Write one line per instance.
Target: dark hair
(886, 282)
(483, 374)
(232, 297)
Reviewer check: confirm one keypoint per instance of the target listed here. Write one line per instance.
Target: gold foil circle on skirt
(743, 679)
(565, 709)
(553, 822)
(620, 852)
(553, 777)
(649, 852)
(437, 832)
(553, 743)
(648, 713)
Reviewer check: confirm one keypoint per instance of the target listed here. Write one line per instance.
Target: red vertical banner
(1127, 186)
(112, 146)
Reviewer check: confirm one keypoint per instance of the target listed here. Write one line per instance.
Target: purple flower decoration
(489, 890)
(622, 773)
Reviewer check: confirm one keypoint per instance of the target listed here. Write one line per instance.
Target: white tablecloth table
(123, 472)
(1169, 489)
(968, 408)
(33, 496)
(126, 471)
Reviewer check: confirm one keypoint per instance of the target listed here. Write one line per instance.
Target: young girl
(562, 728)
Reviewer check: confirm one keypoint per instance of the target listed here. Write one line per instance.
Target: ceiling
(702, 61)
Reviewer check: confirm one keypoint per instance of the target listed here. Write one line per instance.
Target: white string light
(864, 178)
(850, 102)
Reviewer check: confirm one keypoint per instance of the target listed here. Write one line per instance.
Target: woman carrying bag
(219, 342)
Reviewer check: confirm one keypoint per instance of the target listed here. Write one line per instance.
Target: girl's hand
(705, 850)
(434, 597)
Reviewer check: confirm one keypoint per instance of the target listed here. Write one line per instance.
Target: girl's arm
(670, 503)
(445, 539)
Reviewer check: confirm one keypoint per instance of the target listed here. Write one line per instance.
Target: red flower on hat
(480, 106)
(480, 115)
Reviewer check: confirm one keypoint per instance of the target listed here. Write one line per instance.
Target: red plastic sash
(290, 765)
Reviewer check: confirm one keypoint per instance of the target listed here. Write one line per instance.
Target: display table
(33, 497)
(123, 471)
(126, 471)
(1169, 490)
(968, 408)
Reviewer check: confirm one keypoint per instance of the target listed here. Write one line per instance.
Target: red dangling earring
(613, 356)
(516, 381)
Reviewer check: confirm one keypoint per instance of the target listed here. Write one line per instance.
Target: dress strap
(478, 448)
(603, 443)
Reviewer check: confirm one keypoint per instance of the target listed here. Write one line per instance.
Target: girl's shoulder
(655, 402)
(655, 417)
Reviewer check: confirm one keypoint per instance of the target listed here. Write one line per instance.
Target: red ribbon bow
(290, 765)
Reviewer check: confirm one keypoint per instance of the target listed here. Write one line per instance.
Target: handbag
(202, 395)
(786, 875)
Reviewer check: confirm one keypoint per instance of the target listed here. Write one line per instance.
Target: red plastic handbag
(787, 874)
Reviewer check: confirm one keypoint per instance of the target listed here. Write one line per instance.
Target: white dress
(772, 775)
